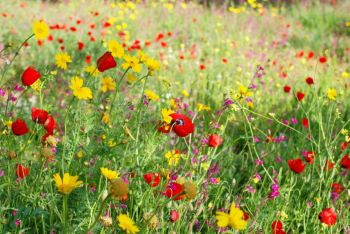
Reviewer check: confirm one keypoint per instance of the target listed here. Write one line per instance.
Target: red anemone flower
(286, 89)
(345, 162)
(296, 165)
(152, 179)
(22, 171)
(29, 76)
(323, 59)
(19, 127)
(300, 96)
(50, 124)
(174, 191)
(181, 124)
(309, 80)
(215, 140)
(305, 122)
(310, 156)
(328, 216)
(337, 188)
(277, 227)
(105, 62)
(39, 115)
(174, 216)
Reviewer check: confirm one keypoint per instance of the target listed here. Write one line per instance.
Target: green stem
(99, 213)
(65, 213)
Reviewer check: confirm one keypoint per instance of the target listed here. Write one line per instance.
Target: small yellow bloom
(132, 62)
(116, 49)
(284, 215)
(201, 107)
(130, 78)
(185, 93)
(62, 59)
(173, 157)
(92, 70)
(109, 174)
(233, 219)
(151, 95)
(80, 154)
(67, 184)
(78, 90)
(108, 84)
(127, 224)
(36, 85)
(332, 94)
(40, 30)
(105, 118)
(166, 115)
(152, 65)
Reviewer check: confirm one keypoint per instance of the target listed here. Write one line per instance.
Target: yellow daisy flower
(132, 62)
(233, 219)
(332, 94)
(67, 184)
(151, 95)
(62, 59)
(127, 224)
(78, 90)
(108, 84)
(40, 30)
(116, 49)
(109, 174)
(166, 115)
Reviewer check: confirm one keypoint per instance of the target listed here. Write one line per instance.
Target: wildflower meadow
(175, 116)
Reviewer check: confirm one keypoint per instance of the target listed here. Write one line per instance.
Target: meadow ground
(169, 117)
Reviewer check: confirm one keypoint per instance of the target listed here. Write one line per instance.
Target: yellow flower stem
(99, 213)
(65, 213)
(11, 61)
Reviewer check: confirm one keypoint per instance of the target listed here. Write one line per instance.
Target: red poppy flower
(182, 125)
(39, 116)
(310, 156)
(105, 62)
(329, 165)
(88, 59)
(50, 124)
(300, 96)
(152, 179)
(215, 140)
(80, 45)
(174, 216)
(287, 89)
(245, 216)
(277, 227)
(202, 67)
(328, 216)
(22, 171)
(310, 55)
(19, 127)
(29, 76)
(345, 162)
(305, 122)
(343, 145)
(337, 188)
(296, 165)
(323, 59)
(174, 191)
(309, 80)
